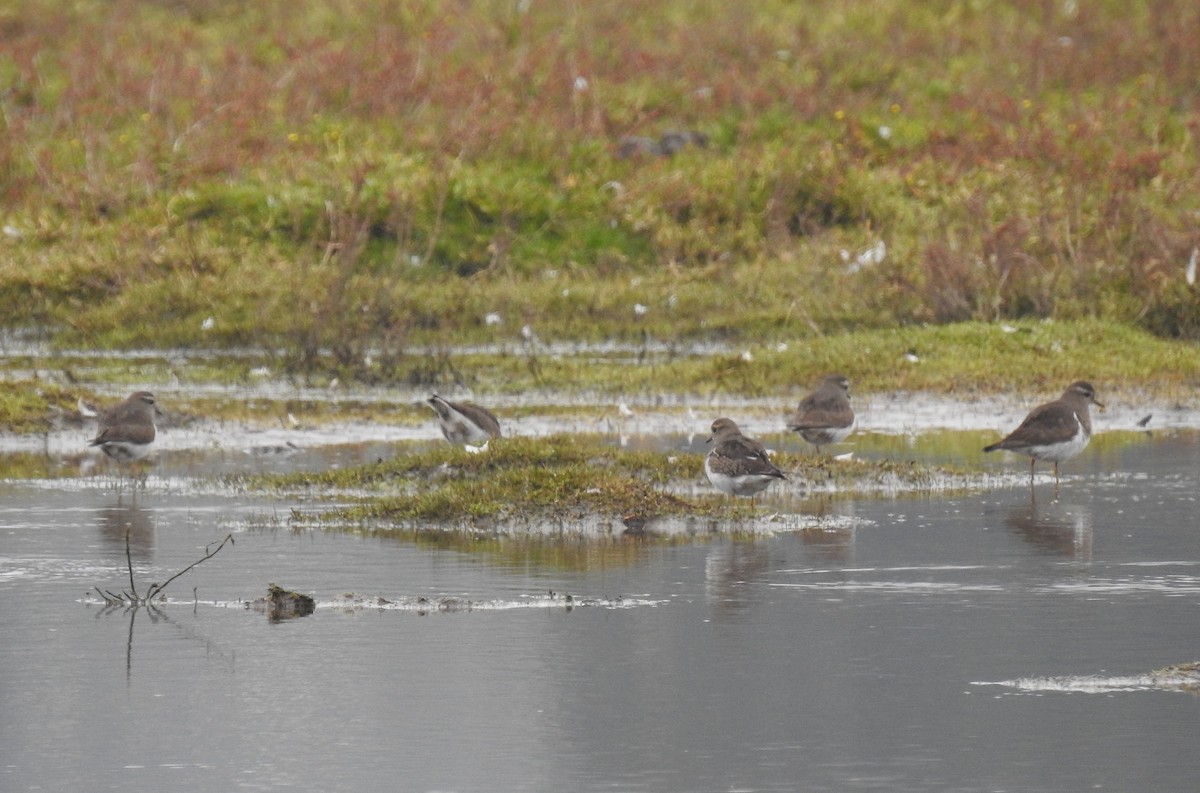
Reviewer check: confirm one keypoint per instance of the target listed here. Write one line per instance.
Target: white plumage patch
(1061, 452)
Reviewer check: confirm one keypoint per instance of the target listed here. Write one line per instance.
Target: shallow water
(976, 643)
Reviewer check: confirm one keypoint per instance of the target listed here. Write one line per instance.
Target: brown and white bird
(825, 415)
(127, 430)
(1056, 431)
(465, 422)
(738, 465)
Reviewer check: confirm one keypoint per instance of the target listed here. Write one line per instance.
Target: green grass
(31, 406)
(386, 176)
(1036, 358)
(557, 478)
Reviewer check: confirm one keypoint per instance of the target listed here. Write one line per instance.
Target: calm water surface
(979, 643)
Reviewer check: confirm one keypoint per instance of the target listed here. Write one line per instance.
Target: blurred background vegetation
(344, 180)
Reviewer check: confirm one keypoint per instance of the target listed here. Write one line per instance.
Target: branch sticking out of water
(131, 598)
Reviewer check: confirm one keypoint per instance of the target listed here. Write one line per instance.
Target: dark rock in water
(283, 604)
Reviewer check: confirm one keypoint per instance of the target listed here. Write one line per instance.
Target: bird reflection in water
(730, 567)
(1054, 528)
(127, 517)
(830, 538)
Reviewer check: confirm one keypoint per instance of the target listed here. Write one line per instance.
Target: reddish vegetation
(1020, 158)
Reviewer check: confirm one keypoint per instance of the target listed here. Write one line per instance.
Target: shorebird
(737, 465)
(127, 430)
(464, 422)
(1056, 431)
(825, 415)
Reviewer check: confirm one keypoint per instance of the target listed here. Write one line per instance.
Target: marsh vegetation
(354, 189)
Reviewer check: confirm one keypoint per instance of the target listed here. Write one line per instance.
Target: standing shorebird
(1055, 431)
(737, 465)
(825, 415)
(465, 422)
(127, 430)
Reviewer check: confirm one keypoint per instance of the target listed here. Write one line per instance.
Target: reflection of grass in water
(565, 551)
(27, 465)
(960, 447)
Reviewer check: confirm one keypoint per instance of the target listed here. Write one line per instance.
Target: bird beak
(1098, 404)
(709, 439)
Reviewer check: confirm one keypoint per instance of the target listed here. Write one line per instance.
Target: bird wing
(130, 433)
(820, 411)
(482, 418)
(748, 456)
(1053, 422)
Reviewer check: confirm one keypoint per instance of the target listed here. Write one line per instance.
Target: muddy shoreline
(281, 428)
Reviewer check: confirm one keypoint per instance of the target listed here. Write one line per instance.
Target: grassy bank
(565, 478)
(1036, 359)
(333, 183)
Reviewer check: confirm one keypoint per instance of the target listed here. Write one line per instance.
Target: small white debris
(493, 319)
(475, 449)
(885, 132)
(842, 457)
(334, 383)
(12, 232)
(873, 255)
(624, 410)
(208, 324)
(781, 346)
(868, 257)
(1191, 266)
(581, 84)
(260, 371)
(1008, 328)
(527, 333)
(912, 357)
(747, 356)
(292, 420)
(639, 310)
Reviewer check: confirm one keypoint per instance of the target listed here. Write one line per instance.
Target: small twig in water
(129, 562)
(157, 589)
(132, 598)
